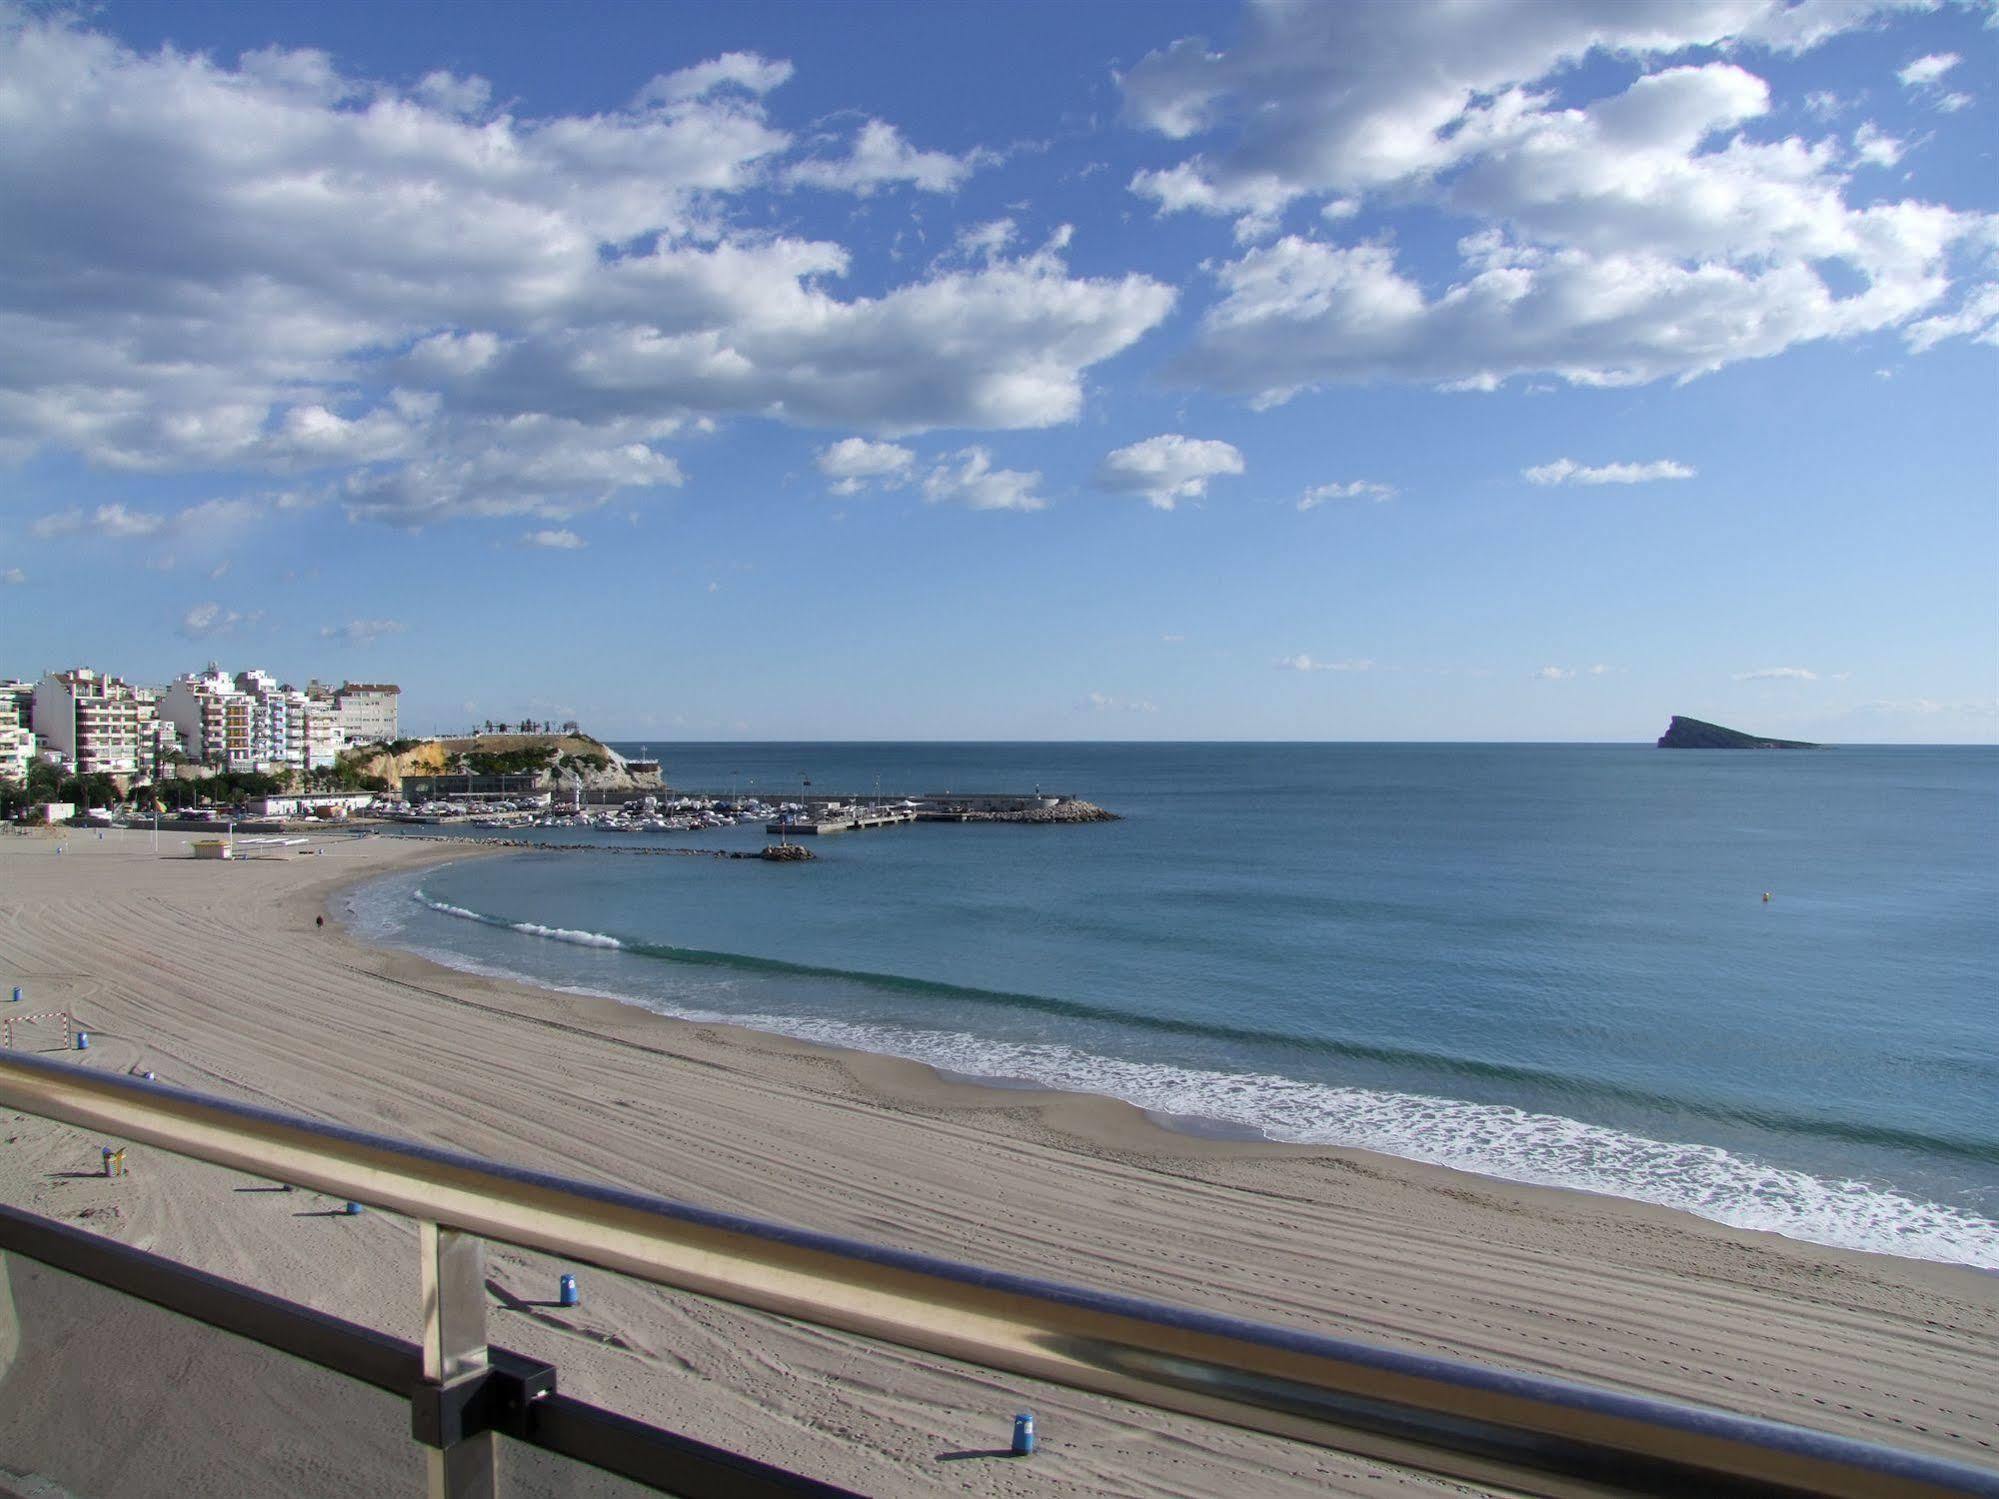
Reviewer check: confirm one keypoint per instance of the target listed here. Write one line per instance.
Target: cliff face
(1692, 733)
(557, 760)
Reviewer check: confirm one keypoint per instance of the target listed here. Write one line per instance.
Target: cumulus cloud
(853, 463)
(554, 540)
(1568, 471)
(1357, 489)
(970, 479)
(1632, 237)
(13, 577)
(1777, 674)
(1168, 468)
(1303, 662)
(1875, 146)
(272, 266)
(747, 71)
(362, 631)
(879, 157)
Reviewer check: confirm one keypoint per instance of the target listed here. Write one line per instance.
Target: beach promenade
(215, 976)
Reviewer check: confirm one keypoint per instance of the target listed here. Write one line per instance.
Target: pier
(838, 818)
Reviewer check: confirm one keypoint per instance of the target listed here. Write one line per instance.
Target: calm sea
(1549, 963)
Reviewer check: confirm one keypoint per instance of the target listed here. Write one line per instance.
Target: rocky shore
(791, 854)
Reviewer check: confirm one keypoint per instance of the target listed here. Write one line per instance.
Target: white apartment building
(216, 724)
(17, 741)
(95, 723)
(367, 711)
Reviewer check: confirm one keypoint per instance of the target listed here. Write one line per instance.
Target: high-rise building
(368, 711)
(216, 724)
(17, 740)
(95, 723)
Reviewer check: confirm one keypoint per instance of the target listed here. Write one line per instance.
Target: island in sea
(1692, 733)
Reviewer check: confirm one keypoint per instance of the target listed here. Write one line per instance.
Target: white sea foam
(1494, 1140)
(564, 934)
(525, 928)
(448, 910)
(1489, 1139)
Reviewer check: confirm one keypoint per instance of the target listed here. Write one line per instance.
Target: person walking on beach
(320, 922)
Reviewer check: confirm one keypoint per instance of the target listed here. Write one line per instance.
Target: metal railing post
(459, 1463)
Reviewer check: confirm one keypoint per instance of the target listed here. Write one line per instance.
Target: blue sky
(1520, 370)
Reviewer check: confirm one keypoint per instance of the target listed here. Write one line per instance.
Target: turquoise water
(1546, 963)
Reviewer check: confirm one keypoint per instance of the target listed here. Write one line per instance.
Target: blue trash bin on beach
(566, 1292)
(1023, 1434)
(83, 1040)
(17, 994)
(352, 1210)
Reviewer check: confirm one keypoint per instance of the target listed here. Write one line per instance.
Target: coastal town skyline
(1185, 372)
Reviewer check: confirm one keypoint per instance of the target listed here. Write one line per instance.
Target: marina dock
(840, 820)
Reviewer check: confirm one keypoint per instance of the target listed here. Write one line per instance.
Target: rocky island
(1692, 733)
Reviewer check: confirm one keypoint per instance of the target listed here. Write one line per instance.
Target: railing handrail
(1551, 1435)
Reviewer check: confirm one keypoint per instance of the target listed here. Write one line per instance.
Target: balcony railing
(1526, 1433)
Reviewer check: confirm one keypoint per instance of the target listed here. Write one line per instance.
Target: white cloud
(1358, 489)
(1568, 471)
(362, 631)
(976, 484)
(1555, 673)
(119, 522)
(1103, 703)
(1168, 468)
(1777, 674)
(1875, 147)
(1926, 72)
(561, 540)
(1303, 662)
(1632, 237)
(1978, 319)
(274, 267)
(853, 463)
(747, 71)
(985, 241)
(13, 577)
(524, 465)
(204, 620)
(1172, 639)
(880, 157)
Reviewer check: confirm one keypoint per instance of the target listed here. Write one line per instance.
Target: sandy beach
(215, 976)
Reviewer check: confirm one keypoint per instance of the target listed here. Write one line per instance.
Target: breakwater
(537, 846)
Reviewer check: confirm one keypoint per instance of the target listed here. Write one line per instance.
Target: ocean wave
(1436, 1061)
(525, 928)
(1496, 1140)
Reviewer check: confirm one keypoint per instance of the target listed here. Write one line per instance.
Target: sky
(1492, 370)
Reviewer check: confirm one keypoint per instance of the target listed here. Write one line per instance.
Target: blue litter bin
(83, 1040)
(17, 994)
(1023, 1434)
(352, 1210)
(566, 1292)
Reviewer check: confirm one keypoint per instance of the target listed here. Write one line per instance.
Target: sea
(1551, 964)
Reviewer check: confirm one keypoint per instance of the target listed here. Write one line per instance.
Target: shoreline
(879, 1074)
(217, 977)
